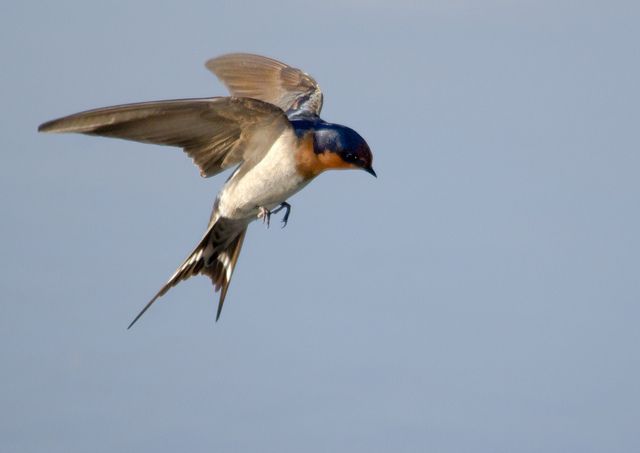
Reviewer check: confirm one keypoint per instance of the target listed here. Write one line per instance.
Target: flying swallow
(269, 129)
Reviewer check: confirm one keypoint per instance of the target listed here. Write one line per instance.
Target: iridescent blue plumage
(338, 139)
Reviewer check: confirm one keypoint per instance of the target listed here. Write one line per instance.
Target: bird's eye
(351, 158)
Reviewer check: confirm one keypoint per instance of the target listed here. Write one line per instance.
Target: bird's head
(341, 147)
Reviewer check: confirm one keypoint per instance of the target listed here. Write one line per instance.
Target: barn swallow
(269, 129)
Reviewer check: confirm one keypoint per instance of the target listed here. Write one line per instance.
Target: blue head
(342, 147)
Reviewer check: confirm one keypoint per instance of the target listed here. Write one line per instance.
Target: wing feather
(257, 77)
(216, 133)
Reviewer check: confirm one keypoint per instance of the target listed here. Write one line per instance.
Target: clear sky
(482, 295)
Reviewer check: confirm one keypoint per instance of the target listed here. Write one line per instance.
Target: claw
(283, 205)
(265, 215)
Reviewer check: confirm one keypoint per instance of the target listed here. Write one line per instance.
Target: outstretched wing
(216, 133)
(253, 76)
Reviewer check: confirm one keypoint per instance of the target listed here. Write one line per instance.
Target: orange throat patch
(309, 164)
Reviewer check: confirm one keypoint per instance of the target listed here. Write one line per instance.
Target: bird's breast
(267, 184)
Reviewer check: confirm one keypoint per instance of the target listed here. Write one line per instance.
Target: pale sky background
(482, 295)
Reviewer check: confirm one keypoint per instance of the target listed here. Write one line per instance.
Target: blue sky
(481, 295)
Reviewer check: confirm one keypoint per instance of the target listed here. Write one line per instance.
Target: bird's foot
(283, 205)
(265, 215)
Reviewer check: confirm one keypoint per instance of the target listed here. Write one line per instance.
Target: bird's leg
(283, 205)
(265, 215)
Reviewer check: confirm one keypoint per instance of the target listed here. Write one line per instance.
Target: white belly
(269, 183)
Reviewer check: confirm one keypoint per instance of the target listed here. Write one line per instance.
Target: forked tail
(215, 256)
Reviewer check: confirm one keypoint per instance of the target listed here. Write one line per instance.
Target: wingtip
(45, 127)
(53, 126)
(212, 63)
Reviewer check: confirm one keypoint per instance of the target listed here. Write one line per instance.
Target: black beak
(371, 172)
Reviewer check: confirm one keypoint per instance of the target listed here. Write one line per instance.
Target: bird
(269, 130)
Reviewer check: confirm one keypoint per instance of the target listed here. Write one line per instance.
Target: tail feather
(230, 258)
(215, 256)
